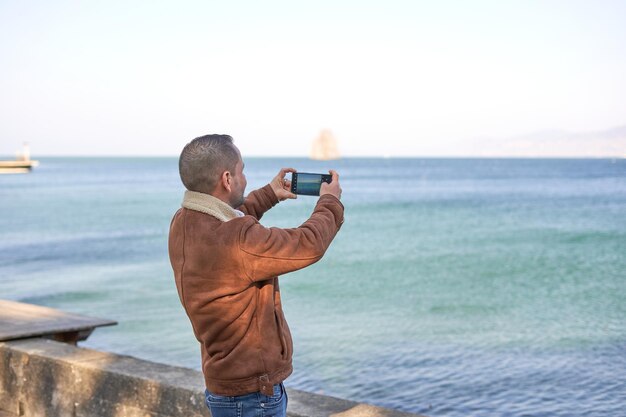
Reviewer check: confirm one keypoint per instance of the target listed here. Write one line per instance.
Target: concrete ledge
(40, 377)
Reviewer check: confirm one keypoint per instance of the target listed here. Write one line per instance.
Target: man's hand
(333, 188)
(282, 186)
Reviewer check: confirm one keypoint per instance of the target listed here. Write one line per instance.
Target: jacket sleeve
(268, 252)
(259, 201)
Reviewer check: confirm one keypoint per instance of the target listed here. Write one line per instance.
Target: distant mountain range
(557, 143)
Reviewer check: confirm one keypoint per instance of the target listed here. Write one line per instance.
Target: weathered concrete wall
(40, 377)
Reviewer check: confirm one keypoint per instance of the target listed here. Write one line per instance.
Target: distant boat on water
(21, 165)
(325, 147)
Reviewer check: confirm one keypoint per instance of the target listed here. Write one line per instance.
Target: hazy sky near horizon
(398, 78)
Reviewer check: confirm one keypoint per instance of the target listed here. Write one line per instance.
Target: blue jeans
(249, 405)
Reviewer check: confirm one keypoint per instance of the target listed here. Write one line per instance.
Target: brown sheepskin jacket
(226, 266)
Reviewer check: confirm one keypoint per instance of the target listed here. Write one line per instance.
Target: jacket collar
(206, 203)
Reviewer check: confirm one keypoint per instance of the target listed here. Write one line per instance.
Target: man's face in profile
(238, 185)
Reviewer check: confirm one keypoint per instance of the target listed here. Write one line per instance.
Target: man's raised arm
(263, 199)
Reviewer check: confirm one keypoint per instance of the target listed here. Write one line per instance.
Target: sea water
(456, 287)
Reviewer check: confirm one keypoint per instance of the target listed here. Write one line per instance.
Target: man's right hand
(333, 188)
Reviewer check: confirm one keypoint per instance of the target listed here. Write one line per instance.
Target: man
(226, 266)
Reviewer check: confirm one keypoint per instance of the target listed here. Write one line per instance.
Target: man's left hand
(282, 186)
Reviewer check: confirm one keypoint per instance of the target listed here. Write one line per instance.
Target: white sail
(325, 147)
(25, 154)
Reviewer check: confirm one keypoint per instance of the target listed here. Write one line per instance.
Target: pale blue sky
(388, 77)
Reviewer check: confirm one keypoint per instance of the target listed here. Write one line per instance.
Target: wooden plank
(21, 320)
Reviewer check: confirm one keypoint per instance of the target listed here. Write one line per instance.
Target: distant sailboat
(325, 147)
(22, 163)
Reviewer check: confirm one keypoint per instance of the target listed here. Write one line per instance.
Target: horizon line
(34, 158)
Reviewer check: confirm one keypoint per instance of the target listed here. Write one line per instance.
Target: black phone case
(327, 178)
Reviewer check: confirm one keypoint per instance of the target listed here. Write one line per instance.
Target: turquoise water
(456, 287)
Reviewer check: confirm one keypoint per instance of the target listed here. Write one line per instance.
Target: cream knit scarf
(208, 204)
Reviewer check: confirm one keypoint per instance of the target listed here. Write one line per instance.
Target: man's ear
(225, 180)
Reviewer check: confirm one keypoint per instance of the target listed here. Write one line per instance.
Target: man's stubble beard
(237, 201)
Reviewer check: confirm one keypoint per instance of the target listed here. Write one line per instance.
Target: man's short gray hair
(204, 159)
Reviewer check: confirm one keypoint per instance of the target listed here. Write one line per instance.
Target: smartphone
(305, 183)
